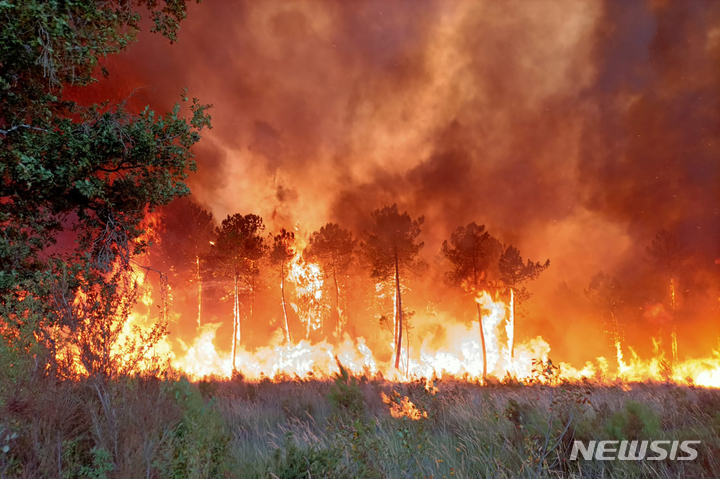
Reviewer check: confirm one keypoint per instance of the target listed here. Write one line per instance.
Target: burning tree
(513, 272)
(606, 292)
(281, 255)
(237, 249)
(472, 251)
(332, 246)
(187, 232)
(392, 250)
(667, 253)
(90, 172)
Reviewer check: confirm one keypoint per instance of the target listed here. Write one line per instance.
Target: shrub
(291, 462)
(635, 421)
(198, 445)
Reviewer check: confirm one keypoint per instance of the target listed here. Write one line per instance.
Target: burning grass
(349, 427)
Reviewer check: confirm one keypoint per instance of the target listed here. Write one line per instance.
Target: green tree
(605, 291)
(332, 246)
(88, 171)
(281, 254)
(235, 253)
(392, 249)
(513, 272)
(472, 252)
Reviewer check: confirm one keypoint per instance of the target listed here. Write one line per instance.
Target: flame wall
(574, 129)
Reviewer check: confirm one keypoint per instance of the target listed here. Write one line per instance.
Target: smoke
(574, 129)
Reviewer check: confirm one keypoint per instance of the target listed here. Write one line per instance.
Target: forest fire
(358, 239)
(459, 357)
(465, 353)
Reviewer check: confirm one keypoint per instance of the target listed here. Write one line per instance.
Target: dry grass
(148, 427)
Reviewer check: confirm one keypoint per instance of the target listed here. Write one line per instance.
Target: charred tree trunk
(338, 324)
(398, 341)
(482, 340)
(407, 351)
(199, 282)
(512, 324)
(252, 308)
(236, 319)
(282, 299)
(480, 321)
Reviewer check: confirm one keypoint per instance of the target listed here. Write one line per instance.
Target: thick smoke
(574, 129)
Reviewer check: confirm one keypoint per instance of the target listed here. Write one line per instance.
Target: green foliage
(198, 445)
(351, 429)
(634, 421)
(345, 394)
(101, 465)
(96, 463)
(291, 462)
(88, 171)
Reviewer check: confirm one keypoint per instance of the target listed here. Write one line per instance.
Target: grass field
(347, 428)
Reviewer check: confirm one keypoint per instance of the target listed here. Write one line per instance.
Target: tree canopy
(472, 252)
(514, 272)
(392, 242)
(391, 249)
(90, 172)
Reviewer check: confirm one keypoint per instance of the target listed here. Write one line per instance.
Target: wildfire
(459, 356)
(308, 280)
(401, 406)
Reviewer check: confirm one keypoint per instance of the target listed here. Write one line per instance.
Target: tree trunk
(407, 352)
(252, 308)
(199, 282)
(512, 324)
(480, 321)
(482, 341)
(236, 322)
(338, 327)
(398, 343)
(282, 299)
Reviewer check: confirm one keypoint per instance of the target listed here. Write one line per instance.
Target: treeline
(240, 259)
(670, 264)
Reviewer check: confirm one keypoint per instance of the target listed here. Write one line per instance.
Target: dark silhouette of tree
(606, 292)
(392, 250)
(187, 232)
(513, 272)
(667, 254)
(332, 247)
(472, 251)
(237, 249)
(281, 254)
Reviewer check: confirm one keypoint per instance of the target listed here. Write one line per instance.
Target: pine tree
(513, 272)
(392, 249)
(236, 252)
(472, 252)
(332, 246)
(281, 254)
